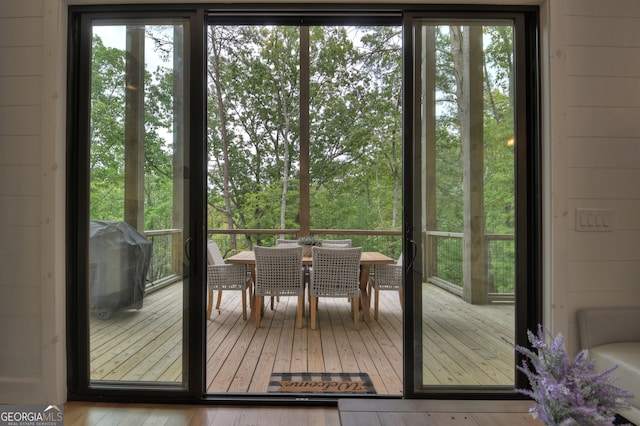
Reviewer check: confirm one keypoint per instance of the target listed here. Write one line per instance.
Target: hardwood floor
(349, 413)
(429, 412)
(109, 414)
(462, 343)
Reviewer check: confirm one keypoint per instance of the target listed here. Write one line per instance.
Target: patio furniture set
(333, 269)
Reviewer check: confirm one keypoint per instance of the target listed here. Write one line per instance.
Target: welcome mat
(321, 383)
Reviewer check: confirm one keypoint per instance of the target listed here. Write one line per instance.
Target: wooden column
(178, 147)
(134, 129)
(305, 203)
(472, 128)
(429, 208)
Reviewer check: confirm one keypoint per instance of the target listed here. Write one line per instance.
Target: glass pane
(136, 277)
(268, 103)
(466, 136)
(253, 131)
(355, 146)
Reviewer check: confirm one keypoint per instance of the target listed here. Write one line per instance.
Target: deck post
(472, 128)
(429, 151)
(134, 129)
(305, 203)
(178, 149)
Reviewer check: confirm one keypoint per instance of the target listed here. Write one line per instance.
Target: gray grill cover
(119, 259)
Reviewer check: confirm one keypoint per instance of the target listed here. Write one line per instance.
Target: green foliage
(253, 131)
(107, 132)
(355, 126)
(309, 241)
(107, 162)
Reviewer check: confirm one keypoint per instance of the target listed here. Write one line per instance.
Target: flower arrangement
(568, 392)
(309, 241)
(306, 243)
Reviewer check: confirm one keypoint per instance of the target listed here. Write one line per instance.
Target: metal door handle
(414, 250)
(187, 244)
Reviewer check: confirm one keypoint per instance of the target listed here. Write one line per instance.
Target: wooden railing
(166, 258)
(445, 249)
(445, 259)
(384, 241)
(500, 270)
(167, 253)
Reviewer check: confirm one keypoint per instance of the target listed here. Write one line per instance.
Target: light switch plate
(594, 220)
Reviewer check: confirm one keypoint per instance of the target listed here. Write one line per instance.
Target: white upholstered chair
(222, 276)
(335, 273)
(386, 277)
(278, 273)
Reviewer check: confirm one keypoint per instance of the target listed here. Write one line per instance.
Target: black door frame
(529, 218)
(79, 386)
(528, 196)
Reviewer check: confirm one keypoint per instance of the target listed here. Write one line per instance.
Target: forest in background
(253, 130)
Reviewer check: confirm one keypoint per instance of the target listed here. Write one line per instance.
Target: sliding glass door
(304, 137)
(190, 123)
(470, 155)
(136, 200)
(131, 214)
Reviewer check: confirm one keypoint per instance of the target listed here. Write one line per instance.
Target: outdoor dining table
(367, 259)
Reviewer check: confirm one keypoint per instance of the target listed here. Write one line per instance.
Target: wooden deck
(462, 343)
(466, 344)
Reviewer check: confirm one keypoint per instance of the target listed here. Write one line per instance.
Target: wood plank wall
(31, 200)
(602, 94)
(20, 138)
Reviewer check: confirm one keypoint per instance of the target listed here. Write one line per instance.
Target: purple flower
(568, 392)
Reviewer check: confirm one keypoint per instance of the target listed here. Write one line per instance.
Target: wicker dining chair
(278, 273)
(336, 243)
(222, 276)
(335, 273)
(280, 242)
(386, 277)
(330, 244)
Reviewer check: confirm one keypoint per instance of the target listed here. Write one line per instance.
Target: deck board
(463, 344)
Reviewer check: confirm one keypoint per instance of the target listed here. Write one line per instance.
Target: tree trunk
(286, 160)
(224, 135)
(396, 186)
(458, 70)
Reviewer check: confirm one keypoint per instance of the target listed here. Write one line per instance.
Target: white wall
(20, 135)
(601, 87)
(591, 114)
(32, 363)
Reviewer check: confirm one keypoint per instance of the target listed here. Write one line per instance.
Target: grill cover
(119, 259)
